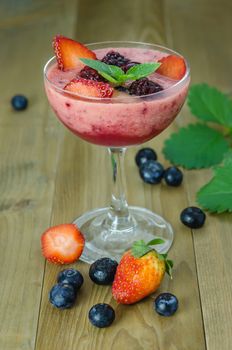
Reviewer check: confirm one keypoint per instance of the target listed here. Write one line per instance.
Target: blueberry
(144, 155)
(101, 315)
(102, 271)
(19, 102)
(71, 276)
(192, 217)
(173, 176)
(166, 304)
(62, 296)
(151, 172)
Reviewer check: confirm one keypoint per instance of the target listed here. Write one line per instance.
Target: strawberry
(62, 244)
(140, 272)
(89, 88)
(172, 66)
(69, 51)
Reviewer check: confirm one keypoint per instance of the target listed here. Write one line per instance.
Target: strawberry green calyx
(140, 248)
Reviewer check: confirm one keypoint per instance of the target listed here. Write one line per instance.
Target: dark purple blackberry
(129, 65)
(90, 74)
(144, 86)
(115, 58)
(121, 88)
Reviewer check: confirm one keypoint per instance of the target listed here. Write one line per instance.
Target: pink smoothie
(124, 119)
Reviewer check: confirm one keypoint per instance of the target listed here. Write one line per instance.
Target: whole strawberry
(140, 272)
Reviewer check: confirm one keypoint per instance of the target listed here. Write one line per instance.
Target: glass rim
(155, 95)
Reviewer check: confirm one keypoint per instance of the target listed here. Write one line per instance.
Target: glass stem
(118, 213)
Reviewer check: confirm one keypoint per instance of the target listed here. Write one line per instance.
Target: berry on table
(145, 154)
(144, 86)
(90, 74)
(19, 102)
(115, 58)
(62, 296)
(193, 217)
(72, 277)
(101, 315)
(103, 270)
(166, 304)
(151, 172)
(62, 244)
(173, 176)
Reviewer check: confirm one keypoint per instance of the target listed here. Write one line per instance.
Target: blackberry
(115, 58)
(121, 88)
(90, 74)
(144, 86)
(129, 65)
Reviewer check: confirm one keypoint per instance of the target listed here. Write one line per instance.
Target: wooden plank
(29, 148)
(192, 28)
(83, 183)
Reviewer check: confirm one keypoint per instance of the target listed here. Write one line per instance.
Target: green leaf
(140, 248)
(156, 241)
(142, 70)
(196, 146)
(216, 196)
(168, 267)
(109, 78)
(104, 69)
(116, 75)
(210, 105)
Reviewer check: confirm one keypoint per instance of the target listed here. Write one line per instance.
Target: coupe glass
(117, 123)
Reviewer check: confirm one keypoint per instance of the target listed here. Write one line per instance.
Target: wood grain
(83, 183)
(29, 149)
(48, 176)
(210, 58)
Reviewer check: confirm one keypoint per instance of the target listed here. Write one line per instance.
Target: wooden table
(48, 176)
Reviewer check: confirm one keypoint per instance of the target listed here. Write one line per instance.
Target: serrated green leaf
(216, 196)
(142, 70)
(209, 104)
(196, 146)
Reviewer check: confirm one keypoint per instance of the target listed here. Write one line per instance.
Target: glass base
(104, 240)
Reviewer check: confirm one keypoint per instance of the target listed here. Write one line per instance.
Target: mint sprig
(201, 145)
(140, 248)
(116, 75)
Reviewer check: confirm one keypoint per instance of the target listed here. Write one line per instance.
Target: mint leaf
(196, 146)
(210, 105)
(116, 75)
(142, 70)
(216, 196)
(103, 68)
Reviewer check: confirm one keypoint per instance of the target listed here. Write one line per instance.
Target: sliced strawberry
(172, 66)
(90, 88)
(69, 51)
(62, 244)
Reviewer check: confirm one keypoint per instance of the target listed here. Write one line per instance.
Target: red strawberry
(69, 51)
(62, 244)
(139, 273)
(89, 88)
(172, 66)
